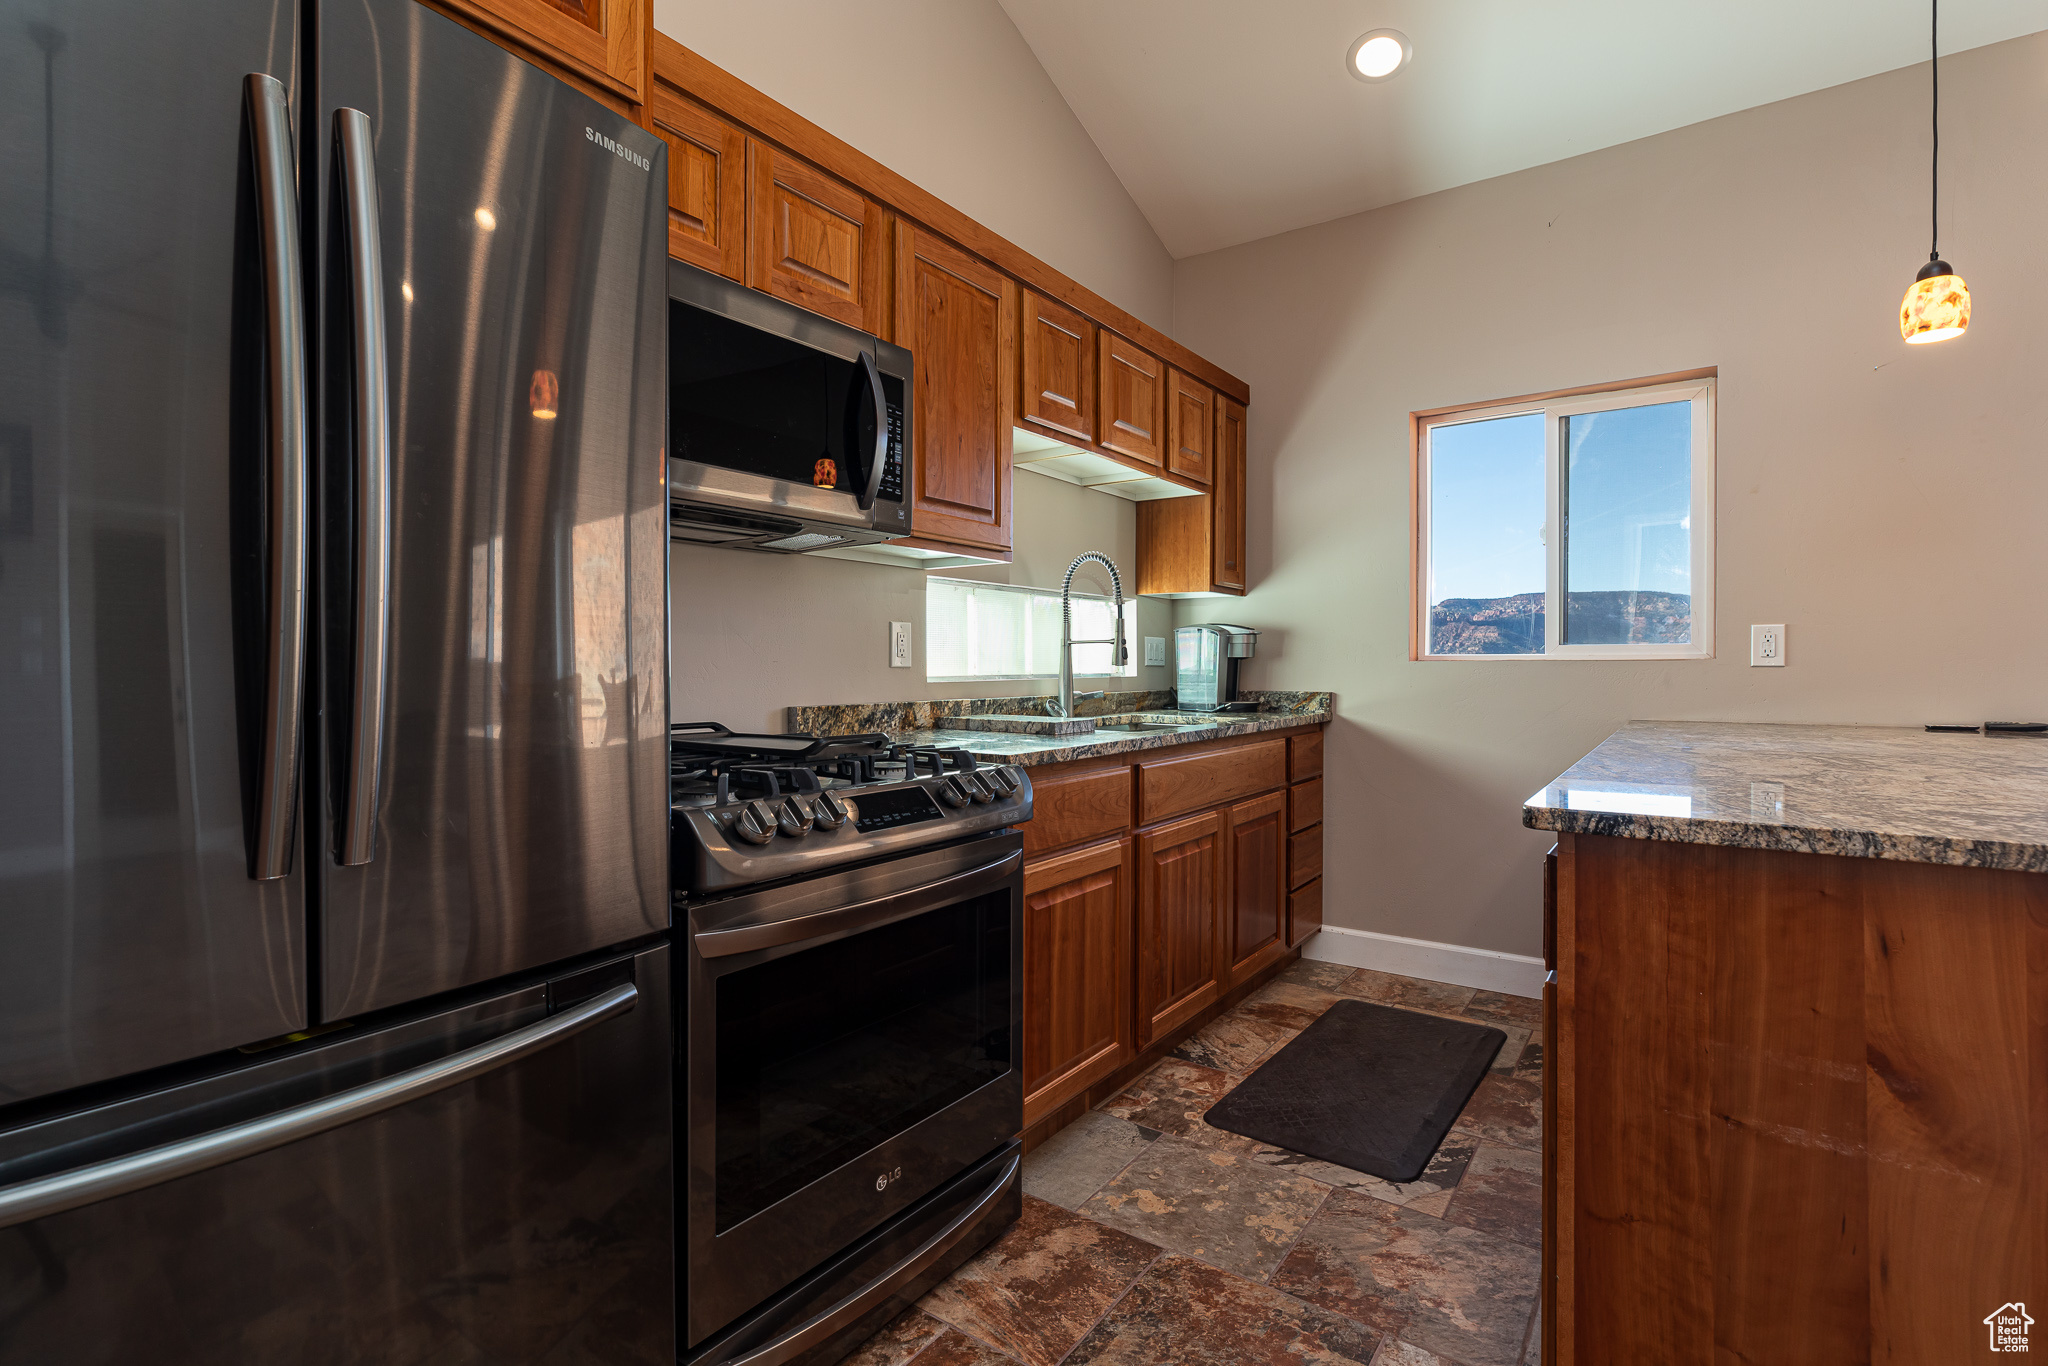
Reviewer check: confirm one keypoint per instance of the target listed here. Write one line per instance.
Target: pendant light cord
(1934, 170)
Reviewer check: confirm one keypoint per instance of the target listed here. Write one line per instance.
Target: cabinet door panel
(1131, 397)
(814, 240)
(1190, 427)
(1305, 804)
(1227, 501)
(1305, 856)
(707, 184)
(1058, 364)
(958, 316)
(602, 40)
(1180, 893)
(1304, 912)
(1074, 807)
(1305, 755)
(1254, 928)
(1169, 786)
(1077, 978)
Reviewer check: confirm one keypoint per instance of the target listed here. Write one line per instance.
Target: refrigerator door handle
(357, 159)
(277, 213)
(153, 1166)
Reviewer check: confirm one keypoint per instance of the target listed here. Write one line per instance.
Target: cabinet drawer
(1305, 804)
(1305, 856)
(1305, 755)
(1304, 912)
(1167, 787)
(1071, 808)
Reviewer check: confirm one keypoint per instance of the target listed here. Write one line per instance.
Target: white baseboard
(1489, 971)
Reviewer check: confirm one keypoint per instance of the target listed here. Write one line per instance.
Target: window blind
(1000, 630)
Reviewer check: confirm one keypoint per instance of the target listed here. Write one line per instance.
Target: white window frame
(1700, 393)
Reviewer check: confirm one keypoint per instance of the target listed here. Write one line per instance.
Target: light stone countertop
(1976, 801)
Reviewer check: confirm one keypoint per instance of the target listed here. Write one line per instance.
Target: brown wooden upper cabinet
(1130, 414)
(958, 317)
(603, 41)
(815, 241)
(707, 184)
(1058, 364)
(1190, 427)
(1196, 545)
(1227, 504)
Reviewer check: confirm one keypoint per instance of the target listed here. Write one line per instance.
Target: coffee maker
(1205, 665)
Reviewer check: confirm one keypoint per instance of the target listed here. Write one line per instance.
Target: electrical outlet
(1767, 802)
(1155, 649)
(1767, 647)
(899, 644)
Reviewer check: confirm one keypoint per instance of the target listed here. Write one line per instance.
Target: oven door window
(747, 400)
(824, 1053)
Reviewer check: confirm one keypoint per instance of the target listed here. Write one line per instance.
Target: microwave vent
(809, 540)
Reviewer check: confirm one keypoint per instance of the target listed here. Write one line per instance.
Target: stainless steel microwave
(787, 431)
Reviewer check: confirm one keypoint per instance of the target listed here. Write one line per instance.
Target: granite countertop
(914, 723)
(1860, 791)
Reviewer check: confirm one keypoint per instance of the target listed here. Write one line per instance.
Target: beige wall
(947, 93)
(1888, 503)
(751, 634)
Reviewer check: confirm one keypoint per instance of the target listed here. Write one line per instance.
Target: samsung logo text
(616, 148)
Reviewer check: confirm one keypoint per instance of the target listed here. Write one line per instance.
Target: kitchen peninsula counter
(1974, 801)
(1798, 1018)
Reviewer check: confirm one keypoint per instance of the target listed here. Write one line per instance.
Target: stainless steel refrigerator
(333, 775)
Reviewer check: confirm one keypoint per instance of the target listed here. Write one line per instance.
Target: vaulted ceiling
(1230, 120)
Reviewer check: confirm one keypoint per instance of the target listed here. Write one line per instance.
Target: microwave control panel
(892, 472)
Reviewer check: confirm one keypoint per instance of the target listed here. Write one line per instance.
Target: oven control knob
(1005, 779)
(952, 791)
(980, 788)
(827, 813)
(755, 824)
(792, 819)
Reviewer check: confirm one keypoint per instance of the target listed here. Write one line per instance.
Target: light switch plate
(899, 644)
(1767, 647)
(1155, 649)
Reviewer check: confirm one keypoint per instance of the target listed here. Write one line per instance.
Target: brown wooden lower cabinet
(1077, 972)
(1180, 894)
(1801, 1106)
(1183, 856)
(1255, 913)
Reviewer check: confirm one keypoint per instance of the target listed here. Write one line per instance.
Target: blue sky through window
(1486, 508)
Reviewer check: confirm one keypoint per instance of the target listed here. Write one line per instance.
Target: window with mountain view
(1577, 526)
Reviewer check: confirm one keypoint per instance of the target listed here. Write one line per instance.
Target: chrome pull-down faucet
(1062, 703)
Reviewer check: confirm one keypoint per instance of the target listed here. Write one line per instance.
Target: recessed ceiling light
(1378, 54)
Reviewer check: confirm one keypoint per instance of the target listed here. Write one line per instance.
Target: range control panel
(762, 839)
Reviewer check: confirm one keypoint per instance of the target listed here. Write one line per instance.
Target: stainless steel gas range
(852, 1018)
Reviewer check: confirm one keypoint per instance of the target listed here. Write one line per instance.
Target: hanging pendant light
(1937, 303)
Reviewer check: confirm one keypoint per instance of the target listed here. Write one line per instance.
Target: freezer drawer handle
(153, 1166)
(815, 1330)
(277, 213)
(357, 158)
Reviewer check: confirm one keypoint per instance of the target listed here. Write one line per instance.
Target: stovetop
(753, 808)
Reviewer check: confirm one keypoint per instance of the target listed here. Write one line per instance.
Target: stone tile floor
(1149, 1237)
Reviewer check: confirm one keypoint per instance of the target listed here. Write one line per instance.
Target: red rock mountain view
(1513, 625)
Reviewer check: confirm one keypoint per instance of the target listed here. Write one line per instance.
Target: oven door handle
(835, 1319)
(860, 916)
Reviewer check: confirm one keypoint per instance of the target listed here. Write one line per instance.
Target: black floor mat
(1366, 1086)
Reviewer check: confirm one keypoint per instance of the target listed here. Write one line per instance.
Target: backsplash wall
(751, 634)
